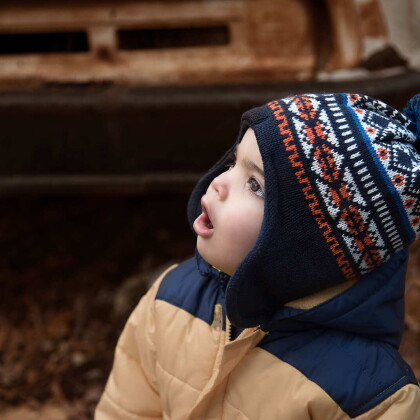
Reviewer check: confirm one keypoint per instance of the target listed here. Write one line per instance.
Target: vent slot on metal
(45, 42)
(142, 39)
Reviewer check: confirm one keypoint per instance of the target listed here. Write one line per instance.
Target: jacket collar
(373, 307)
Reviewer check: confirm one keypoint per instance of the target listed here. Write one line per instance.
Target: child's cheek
(242, 228)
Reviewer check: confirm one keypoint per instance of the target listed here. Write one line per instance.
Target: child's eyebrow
(249, 163)
(253, 166)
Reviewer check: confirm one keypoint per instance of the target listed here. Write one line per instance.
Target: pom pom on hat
(412, 112)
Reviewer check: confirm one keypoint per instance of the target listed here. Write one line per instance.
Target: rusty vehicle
(184, 42)
(91, 71)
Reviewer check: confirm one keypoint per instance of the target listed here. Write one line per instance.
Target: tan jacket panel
(171, 365)
(403, 405)
(286, 392)
(131, 391)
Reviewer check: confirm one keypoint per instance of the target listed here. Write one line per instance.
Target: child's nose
(219, 185)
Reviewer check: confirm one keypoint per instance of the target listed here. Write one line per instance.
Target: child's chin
(201, 248)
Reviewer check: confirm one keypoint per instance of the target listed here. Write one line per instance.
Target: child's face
(233, 209)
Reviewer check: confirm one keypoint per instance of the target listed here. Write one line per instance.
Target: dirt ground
(71, 271)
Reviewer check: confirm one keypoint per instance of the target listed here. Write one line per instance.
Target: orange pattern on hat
(331, 174)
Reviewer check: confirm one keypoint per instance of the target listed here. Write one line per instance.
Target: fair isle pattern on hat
(393, 146)
(358, 172)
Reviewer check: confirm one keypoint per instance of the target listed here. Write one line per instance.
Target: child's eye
(255, 187)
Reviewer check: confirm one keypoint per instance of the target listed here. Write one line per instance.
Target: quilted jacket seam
(176, 377)
(125, 411)
(235, 408)
(137, 362)
(377, 395)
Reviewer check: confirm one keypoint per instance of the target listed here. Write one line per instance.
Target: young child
(293, 306)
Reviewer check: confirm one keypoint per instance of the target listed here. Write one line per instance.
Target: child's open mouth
(203, 225)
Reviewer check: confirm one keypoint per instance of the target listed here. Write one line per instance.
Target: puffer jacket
(177, 359)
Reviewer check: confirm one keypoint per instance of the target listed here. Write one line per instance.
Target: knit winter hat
(342, 195)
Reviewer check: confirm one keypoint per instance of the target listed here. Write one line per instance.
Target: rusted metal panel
(346, 34)
(268, 40)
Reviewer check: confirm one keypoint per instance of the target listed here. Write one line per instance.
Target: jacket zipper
(217, 323)
(230, 332)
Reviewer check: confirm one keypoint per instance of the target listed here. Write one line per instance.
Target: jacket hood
(321, 224)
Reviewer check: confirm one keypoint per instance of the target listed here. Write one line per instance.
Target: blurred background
(109, 113)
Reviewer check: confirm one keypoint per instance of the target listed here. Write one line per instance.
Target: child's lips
(203, 225)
